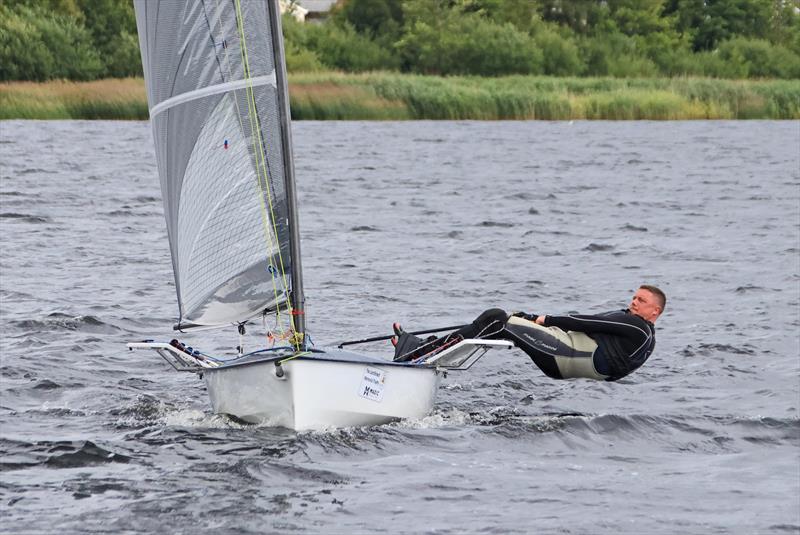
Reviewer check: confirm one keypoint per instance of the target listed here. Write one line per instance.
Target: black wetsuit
(624, 340)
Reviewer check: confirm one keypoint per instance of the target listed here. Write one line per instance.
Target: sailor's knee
(545, 363)
(491, 315)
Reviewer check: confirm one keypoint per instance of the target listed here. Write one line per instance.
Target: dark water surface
(428, 223)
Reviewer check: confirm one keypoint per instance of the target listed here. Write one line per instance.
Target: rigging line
(262, 165)
(251, 105)
(264, 217)
(258, 154)
(298, 354)
(267, 171)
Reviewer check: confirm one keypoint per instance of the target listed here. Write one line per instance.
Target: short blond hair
(660, 295)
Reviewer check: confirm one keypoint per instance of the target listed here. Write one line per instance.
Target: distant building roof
(307, 9)
(317, 6)
(297, 11)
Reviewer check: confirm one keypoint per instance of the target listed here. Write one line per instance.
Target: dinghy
(219, 109)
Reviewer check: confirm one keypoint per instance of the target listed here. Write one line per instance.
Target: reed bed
(392, 96)
(120, 99)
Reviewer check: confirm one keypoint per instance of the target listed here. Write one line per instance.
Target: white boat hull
(320, 389)
(318, 394)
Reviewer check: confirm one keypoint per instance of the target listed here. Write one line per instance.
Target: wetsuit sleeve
(618, 325)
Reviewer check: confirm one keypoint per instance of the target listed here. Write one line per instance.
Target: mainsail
(216, 86)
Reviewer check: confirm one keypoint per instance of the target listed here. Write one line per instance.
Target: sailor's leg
(406, 344)
(489, 324)
(541, 344)
(559, 354)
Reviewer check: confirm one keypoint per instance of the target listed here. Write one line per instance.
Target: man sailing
(605, 347)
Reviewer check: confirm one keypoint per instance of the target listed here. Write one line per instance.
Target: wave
(148, 411)
(747, 288)
(708, 349)
(157, 422)
(18, 454)
(27, 218)
(37, 171)
(495, 224)
(680, 432)
(598, 247)
(634, 228)
(130, 212)
(145, 411)
(58, 321)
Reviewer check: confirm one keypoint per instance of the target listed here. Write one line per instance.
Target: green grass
(102, 99)
(392, 96)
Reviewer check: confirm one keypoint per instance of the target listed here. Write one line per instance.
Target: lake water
(427, 223)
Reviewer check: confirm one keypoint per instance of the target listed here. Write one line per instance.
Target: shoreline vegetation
(442, 59)
(393, 96)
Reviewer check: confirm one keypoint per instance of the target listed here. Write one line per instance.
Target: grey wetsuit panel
(572, 351)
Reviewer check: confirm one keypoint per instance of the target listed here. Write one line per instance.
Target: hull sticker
(372, 384)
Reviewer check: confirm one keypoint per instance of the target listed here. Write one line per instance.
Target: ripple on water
(90, 431)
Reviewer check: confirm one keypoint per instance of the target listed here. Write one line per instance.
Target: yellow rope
(299, 354)
(259, 189)
(262, 172)
(257, 148)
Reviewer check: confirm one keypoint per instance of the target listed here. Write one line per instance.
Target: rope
(258, 149)
(253, 117)
(299, 354)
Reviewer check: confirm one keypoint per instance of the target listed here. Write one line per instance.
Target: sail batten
(220, 126)
(212, 90)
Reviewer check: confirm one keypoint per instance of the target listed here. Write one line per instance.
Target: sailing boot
(406, 346)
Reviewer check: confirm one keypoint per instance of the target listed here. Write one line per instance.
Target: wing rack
(464, 354)
(182, 361)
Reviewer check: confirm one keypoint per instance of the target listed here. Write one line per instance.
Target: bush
(378, 19)
(560, 56)
(469, 44)
(616, 55)
(112, 26)
(123, 58)
(302, 60)
(756, 58)
(298, 57)
(39, 45)
(341, 47)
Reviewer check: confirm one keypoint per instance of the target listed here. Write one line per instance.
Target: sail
(215, 80)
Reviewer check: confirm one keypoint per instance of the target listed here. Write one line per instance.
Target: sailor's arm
(590, 324)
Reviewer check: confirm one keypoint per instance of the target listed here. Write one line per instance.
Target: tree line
(91, 39)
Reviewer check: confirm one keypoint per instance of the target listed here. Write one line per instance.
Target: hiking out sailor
(606, 346)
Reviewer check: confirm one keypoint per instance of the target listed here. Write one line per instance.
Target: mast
(297, 297)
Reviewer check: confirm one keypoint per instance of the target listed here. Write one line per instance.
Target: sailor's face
(645, 305)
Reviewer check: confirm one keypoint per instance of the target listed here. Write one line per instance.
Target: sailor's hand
(540, 319)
